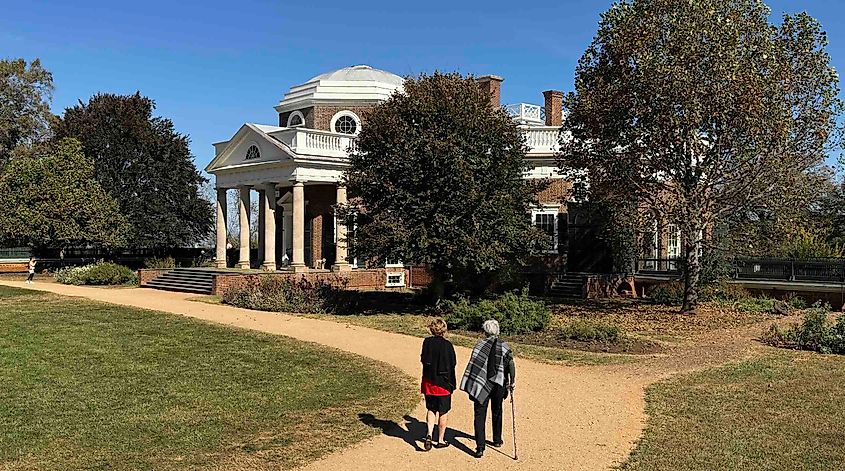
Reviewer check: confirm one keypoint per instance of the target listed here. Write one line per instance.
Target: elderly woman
(487, 379)
(438, 381)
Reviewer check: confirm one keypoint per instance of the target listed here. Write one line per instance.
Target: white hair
(490, 327)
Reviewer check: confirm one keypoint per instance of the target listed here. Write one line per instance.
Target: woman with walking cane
(487, 379)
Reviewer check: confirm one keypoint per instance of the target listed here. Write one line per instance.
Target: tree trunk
(692, 273)
(437, 289)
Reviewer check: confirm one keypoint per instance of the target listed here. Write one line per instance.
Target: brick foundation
(415, 277)
(145, 275)
(13, 267)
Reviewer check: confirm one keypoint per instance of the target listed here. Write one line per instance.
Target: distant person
(31, 269)
(438, 381)
(487, 379)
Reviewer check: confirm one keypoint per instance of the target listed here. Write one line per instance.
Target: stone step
(186, 280)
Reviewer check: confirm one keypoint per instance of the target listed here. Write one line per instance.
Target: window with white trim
(253, 152)
(394, 280)
(546, 220)
(296, 119)
(652, 247)
(346, 122)
(674, 244)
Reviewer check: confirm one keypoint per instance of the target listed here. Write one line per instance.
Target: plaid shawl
(475, 381)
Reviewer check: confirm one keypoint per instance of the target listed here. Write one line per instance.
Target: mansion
(296, 168)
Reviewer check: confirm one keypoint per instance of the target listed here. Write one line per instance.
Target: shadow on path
(414, 431)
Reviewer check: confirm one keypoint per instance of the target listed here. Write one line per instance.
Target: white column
(268, 204)
(298, 263)
(243, 211)
(220, 256)
(340, 263)
(261, 213)
(287, 229)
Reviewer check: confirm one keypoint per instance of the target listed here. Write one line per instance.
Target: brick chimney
(554, 108)
(491, 84)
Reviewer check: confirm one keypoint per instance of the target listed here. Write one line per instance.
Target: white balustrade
(541, 140)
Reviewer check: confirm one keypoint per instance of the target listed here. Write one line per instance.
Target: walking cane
(513, 418)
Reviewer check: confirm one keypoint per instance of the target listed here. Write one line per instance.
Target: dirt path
(569, 418)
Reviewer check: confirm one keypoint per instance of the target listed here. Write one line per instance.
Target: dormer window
(253, 153)
(296, 119)
(346, 122)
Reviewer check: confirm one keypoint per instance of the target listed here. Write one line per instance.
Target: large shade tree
(25, 94)
(145, 164)
(50, 198)
(697, 110)
(438, 174)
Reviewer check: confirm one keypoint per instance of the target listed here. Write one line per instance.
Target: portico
(288, 238)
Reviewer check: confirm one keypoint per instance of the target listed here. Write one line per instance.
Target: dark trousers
(497, 396)
(30, 276)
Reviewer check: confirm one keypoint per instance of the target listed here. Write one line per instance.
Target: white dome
(359, 84)
(359, 73)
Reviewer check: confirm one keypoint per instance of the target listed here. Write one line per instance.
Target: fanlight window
(346, 124)
(295, 119)
(253, 153)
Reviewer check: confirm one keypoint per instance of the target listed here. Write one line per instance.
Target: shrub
(668, 293)
(796, 302)
(814, 333)
(279, 294)
(155, 262)
(516, 313)
(723, 291)
(752, 304)
(100, 273)
(590, 331)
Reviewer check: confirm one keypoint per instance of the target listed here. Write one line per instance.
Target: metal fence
(830, 270)
(15, 253)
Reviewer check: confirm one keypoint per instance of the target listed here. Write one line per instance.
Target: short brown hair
(437, 327)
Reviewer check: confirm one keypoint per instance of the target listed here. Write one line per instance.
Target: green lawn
(417, 325)
(95, 386)
(781, 412)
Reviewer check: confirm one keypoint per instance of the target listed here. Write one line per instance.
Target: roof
(356, 84)
(360, 73)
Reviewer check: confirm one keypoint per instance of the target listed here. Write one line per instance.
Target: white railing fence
(541, 140)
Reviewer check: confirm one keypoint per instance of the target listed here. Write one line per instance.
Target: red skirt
(430, 389)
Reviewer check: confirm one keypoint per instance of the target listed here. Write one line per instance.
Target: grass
(779, 412)
(417, 326)
(95, 386)
(657, 322)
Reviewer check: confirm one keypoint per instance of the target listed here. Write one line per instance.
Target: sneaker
(441, 445)
(479, 453)
(427, 443)
(497, 444)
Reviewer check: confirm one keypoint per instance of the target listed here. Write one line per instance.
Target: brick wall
(322, 115)
(558, 191)
(13, 267)
(356, 279)
(321, 199)
(145, 275)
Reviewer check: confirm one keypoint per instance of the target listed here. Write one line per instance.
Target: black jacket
(438, 360)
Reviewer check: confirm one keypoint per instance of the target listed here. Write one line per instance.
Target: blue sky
(214, 65)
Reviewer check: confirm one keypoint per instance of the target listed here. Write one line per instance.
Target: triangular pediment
(233, 153)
